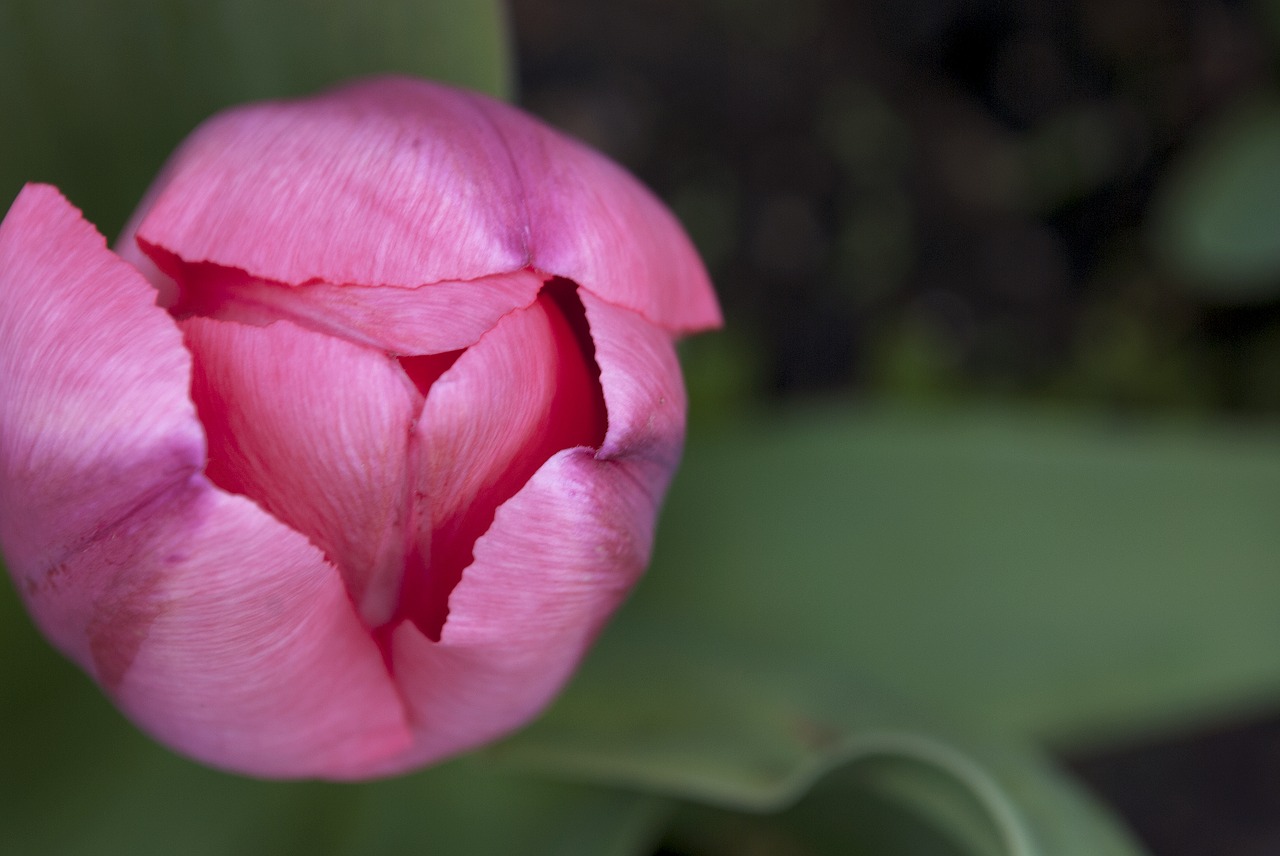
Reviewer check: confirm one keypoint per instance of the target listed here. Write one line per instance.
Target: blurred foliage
(98, 94)
(951, 200)
(829, 580)
(1219, 224)
(1064, 577)
(937, 203)
(725, 723)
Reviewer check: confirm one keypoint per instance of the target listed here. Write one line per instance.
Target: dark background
(931, 198)
(937, 200)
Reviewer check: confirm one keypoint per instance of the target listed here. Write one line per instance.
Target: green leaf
(99, 93)
(1029, 576)
(1056, 576)
(159, 804)
(889, 807)
(1217, 220)
(729, 725)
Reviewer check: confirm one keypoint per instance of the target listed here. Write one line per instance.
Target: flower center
(393, 464)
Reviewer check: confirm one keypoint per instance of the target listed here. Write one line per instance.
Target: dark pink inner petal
(426, 369)
(425, 319)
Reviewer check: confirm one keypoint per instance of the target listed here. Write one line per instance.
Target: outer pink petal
(522, 393)
(643, 389)
(560, 557)
(395, 182)
(216, 627)
(592, 222)
(429, 319)
(402, 182)
(243, 649)
(95, 421)
(316, 429)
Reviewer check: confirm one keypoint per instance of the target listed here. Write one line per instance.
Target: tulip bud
(339, 465)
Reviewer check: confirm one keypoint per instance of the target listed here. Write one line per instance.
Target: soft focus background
(1071, 205)
(991, 429)
(943, 200)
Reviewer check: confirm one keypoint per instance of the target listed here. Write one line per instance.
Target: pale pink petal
(429, 319)
(316, 430)
(560, 557)
(643, 388)
(95, 421)
(592, 222)
(525, 391)
(390, 182)
(227, 636)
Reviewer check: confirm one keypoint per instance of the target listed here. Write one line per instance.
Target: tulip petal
(559, 558)
(429, 319)
(216, 627)
(643, 388)
(592, 222)
(525, 391)
(401, 182)
(246, 651)
(91, 433)
(316, 430)
(393, 182)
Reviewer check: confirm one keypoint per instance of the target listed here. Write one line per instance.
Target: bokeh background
(947, 200)
(939, 210)
(938, 199)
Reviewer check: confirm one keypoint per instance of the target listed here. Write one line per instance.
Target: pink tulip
(337, 468)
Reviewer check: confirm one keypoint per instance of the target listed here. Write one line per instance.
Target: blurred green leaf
(726, 723)
(1268, 12)
(1032, 576)
(1217, 219)
(1062, 577)
(827, 822)
(162, 805)
(98, 94)
(851, 811)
